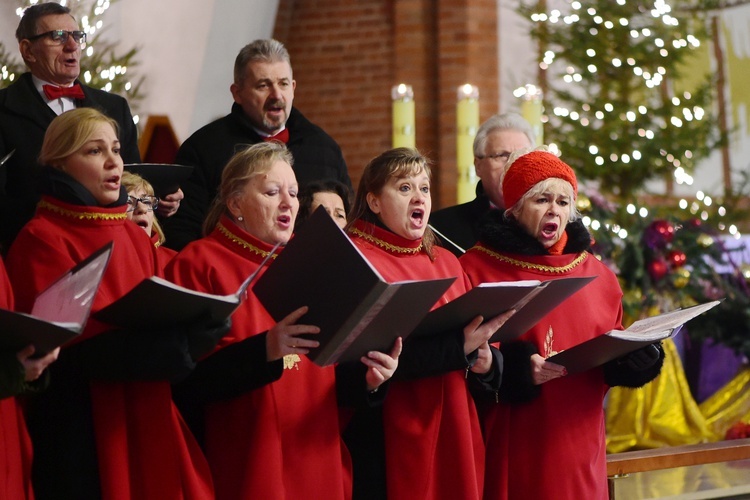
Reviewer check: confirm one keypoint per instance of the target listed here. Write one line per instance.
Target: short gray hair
(503, 121)
(28, 24)
(266, 50)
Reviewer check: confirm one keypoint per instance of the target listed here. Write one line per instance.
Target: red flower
(740, 430)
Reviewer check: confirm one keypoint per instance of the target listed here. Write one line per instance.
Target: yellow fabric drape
(662, 413)
(729, 405)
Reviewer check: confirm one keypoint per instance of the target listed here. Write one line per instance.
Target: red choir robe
(280, 440)
(15, 445)
(163, 254)
(433, 443)
(553, 446)
(143, 447)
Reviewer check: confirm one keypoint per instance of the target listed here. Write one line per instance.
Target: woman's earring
(240, 218)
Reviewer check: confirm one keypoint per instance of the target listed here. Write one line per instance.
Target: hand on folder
(483, 364)
(644, 358)
(287, 337)
(169, 204)
(476, 333)
(543, 371)
(381, 366)
(34, 367)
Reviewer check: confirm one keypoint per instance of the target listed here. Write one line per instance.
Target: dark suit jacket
(460, 223)
(316, 157)
(24, 118)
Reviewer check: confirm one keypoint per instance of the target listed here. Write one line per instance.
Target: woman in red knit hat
(544, 429)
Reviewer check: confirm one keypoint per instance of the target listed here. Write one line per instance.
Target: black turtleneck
(60, 185)
(505, 235)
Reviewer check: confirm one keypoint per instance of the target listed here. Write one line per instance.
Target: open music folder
(60, 312)
(531, 299)
(355, 308)
(157, 303)
(617, 343)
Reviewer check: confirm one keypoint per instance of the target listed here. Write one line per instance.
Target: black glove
(643, 358)
(203, 336)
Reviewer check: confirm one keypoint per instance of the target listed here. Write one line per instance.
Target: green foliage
(609, 124)
(662, 269)
(10, 67)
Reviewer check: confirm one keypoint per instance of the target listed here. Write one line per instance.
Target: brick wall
(347, 54)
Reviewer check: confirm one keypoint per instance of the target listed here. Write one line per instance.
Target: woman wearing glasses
(141, 206)
(106, 427)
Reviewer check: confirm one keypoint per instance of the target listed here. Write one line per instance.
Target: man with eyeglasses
(458, 226)
(50, 43)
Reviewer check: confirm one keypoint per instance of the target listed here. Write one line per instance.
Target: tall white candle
(403, 113)
(467, 124)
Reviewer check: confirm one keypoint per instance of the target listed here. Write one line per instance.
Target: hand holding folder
(617, 343)
(355, 308)
(60, 312)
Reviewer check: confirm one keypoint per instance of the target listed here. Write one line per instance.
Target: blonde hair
(69, 132)
(243, 166)
(546, 186)
(133, 182)
(398, 163)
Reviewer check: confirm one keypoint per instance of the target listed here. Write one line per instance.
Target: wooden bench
(621, 464)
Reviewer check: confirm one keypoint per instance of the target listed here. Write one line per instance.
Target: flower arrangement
(668, 258)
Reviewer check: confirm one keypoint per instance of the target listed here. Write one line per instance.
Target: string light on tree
(612, 70)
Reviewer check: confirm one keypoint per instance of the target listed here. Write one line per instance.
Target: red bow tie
(55, 92)
(282, 136)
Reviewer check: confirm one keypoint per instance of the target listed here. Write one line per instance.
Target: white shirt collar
(60, 105)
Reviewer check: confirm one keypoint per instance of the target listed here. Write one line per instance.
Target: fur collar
(506, 236)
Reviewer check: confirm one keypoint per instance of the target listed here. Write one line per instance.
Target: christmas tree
(623, 112)
(611, 71)
(102, 66)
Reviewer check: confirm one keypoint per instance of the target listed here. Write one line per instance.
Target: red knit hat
(531, 168)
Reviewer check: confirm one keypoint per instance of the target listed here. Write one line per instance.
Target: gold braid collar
(81, 215)
(244, 244)
(527, 265)
(383, 244)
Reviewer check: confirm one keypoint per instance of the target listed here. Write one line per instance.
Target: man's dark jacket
(24, 118)
(460, 223)
(316, 157)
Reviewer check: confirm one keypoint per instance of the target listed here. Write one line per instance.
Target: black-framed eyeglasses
(60, 37)
(150, 202)
(496, 156)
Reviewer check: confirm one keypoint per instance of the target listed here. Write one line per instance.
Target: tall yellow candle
(531, 109)
(403, 113)
(467, 124)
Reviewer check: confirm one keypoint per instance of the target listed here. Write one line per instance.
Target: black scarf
(505, 235)
(59, 185)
